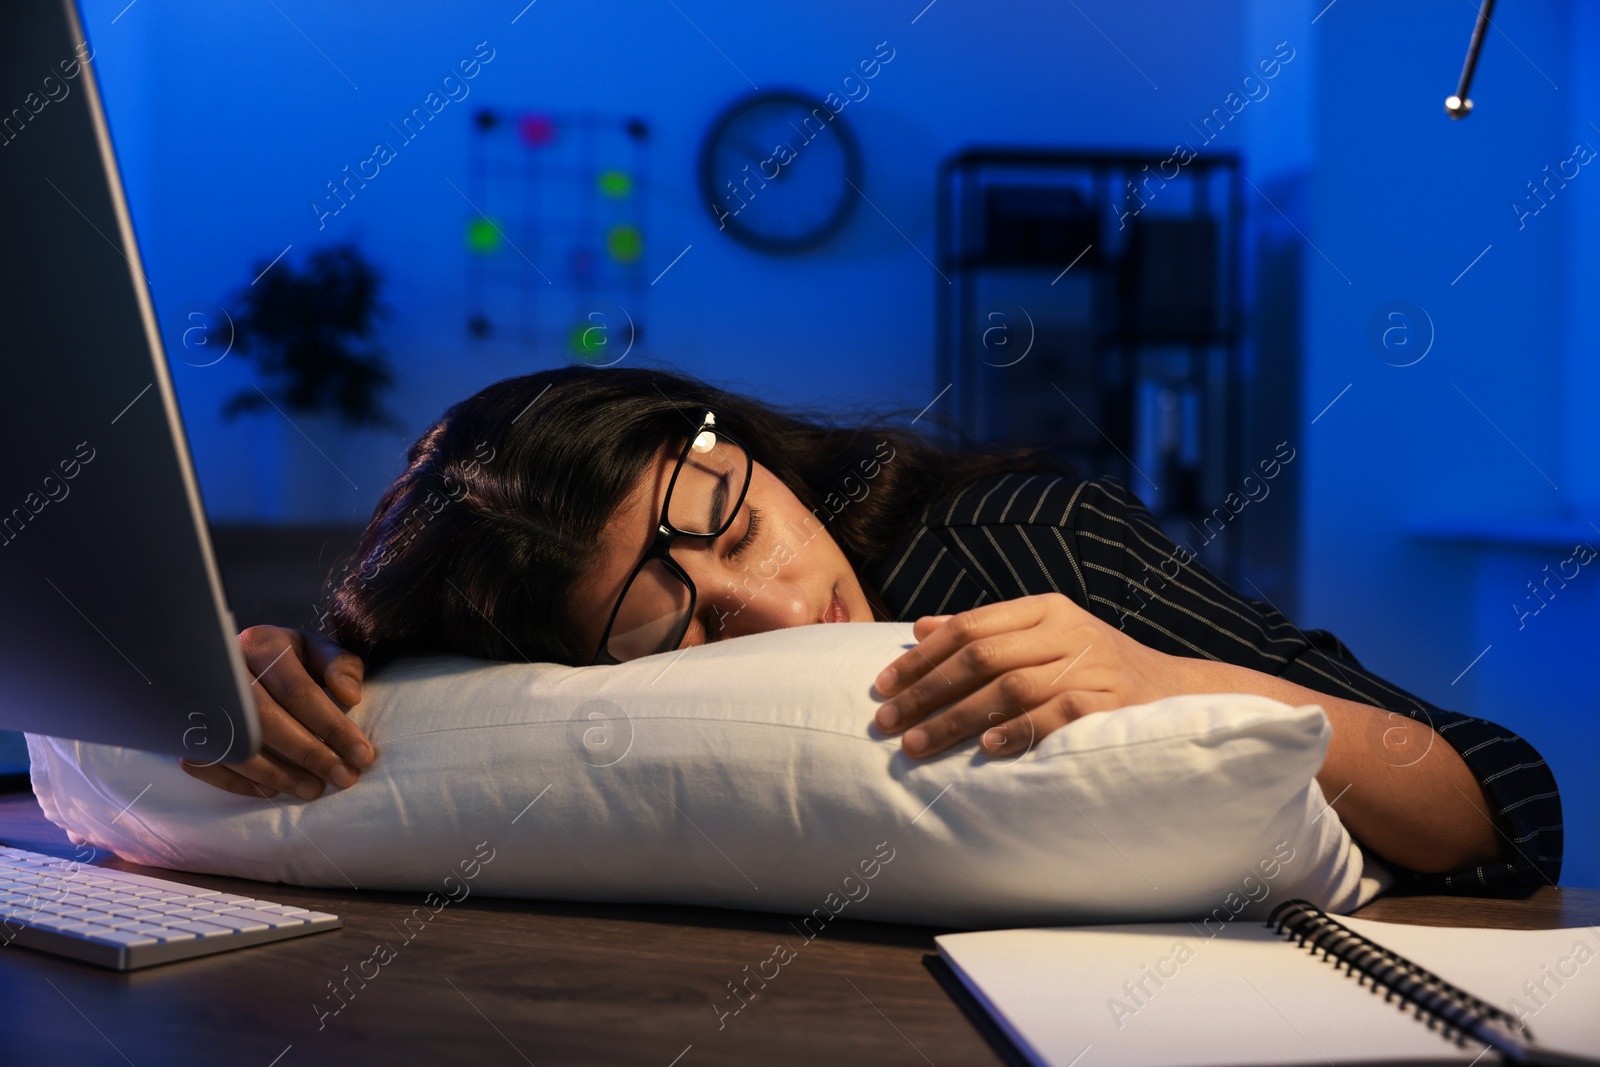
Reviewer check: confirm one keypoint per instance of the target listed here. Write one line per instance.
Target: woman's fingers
(1015, 670)
(262, 775)
(287, 737)
(973, 665)
(341, 670)
(299, 722)
(940, 636)
(993, 710)
(1015, 736)
(224, 778)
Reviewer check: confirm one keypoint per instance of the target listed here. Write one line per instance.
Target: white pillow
(749, 774)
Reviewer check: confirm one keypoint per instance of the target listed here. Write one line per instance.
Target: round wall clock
(779, 171)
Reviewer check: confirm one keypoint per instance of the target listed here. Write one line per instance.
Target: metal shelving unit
(1093, 305)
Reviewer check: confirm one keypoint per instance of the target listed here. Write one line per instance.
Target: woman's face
(786, 574)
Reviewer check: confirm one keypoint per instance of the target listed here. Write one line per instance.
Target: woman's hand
(306, 738)
(1014, 671)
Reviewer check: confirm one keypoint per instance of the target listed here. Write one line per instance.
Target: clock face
(779, 172)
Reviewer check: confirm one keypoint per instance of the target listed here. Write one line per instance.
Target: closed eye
(713, 620)
(749, 534)
(708, 624)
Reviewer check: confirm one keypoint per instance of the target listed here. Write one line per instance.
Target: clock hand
(754, 158)
(746, 149)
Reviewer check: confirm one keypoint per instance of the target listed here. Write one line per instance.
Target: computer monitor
(113, 623)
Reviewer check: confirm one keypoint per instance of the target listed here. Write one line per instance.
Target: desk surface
(494, 981)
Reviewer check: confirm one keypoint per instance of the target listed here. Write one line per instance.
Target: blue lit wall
(1432, 492)
(231, 121)
(1438, 491)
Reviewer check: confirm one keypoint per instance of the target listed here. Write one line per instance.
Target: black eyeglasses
(657, 602)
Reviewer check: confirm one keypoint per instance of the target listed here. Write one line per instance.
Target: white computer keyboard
(122, 920)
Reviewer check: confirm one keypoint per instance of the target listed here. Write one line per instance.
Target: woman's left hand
(1014, 671)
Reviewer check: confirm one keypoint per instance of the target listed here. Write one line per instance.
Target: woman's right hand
(306, 738)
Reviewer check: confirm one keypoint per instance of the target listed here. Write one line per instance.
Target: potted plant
(310, 333)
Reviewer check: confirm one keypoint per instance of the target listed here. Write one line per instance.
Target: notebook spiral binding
(1441, 1005)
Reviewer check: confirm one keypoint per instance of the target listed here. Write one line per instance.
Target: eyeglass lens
(701, 501)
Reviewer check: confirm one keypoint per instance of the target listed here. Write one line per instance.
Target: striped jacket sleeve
(1095, 542)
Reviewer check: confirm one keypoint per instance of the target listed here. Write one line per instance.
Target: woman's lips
(836, 610)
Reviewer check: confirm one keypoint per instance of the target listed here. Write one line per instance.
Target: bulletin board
(555, 233)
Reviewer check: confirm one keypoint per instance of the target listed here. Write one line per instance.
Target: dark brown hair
(476, 546)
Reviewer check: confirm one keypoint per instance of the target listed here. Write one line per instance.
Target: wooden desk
(494, 981)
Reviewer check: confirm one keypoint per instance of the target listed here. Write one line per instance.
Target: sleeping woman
(584, 516)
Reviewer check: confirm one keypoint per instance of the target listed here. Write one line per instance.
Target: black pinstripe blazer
(1016, 535)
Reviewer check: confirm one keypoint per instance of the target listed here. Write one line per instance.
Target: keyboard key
(128, 877)
(234, 921)
(169, 935)
(121, 937)
(168, 907)
(145, 915)
(201, 929)
(162, 933)
(249, 915)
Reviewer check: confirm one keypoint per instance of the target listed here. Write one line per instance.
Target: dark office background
(1442, 471)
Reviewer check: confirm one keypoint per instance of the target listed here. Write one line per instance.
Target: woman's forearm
(1400, 789)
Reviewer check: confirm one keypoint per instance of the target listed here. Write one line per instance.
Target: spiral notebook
(1307, 989)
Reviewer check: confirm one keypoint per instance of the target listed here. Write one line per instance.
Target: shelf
(1507, 531)
(1133, 295)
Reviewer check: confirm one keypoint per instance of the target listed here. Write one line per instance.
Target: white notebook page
(1173, 994)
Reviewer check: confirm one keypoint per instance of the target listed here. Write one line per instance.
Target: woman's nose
(747, 604)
